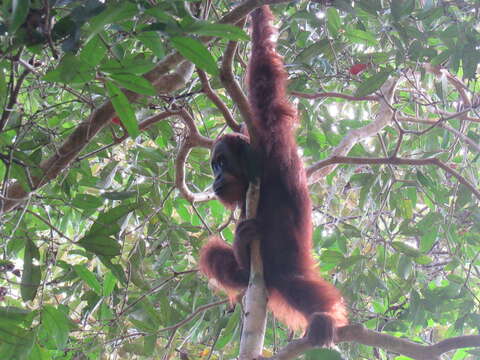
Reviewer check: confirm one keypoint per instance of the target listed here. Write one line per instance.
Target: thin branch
(71, 148)
(396, 161)
(383, 118)
(7, 111)
(89, 128)
(457, 83)
(230, 83)
(153, 290)
(191, 140)
(335, 95)
(51, 226)
(470, 142)
(192, 315)
(359, 334)
(195, 137)
(207, 89)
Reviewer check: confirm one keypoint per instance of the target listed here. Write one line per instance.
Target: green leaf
(324, 354)
(424, 180)
(196, 52)
(370, 6)
(13, 313)
(123, 108)
(333, 21)
(116, 12)
(429, 227)
(19, 14)
(423, 260)
(116, 269)
(56, 325)
(135, 83)
(87, 276)
(332, 257)
(107, 222)
(94, 52)
(119, 195)
(470, 60)
(308, 54)
(404, 268)
(153, 42)
(31, 274)
(229, 32)
(71, 70)
(3, 88)
(87, 201)
(361, 37)
(109, 283)
(230, 329)
(100, 245)
(372, 84)
(137, 65)
(401, 9)
(407, 208)
(15, 342)
(406, 249)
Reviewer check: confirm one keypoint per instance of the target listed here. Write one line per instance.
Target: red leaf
(357, 68)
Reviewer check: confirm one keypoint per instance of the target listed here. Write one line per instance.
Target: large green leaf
(135, 83)
(152, 41)
(56, 324)
(115, 12)
(373, 83)
(87, 276)
(196, 52)
(19, 14)
(229, 32)
(333, 21)
(123, 108)
(71, 70)
(100, 245)
(31, 274)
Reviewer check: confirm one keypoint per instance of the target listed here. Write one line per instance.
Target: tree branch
(89, 128)
(334, 94)
(396, 161)
(75, 143)
(359, 334)
(470, 142)
(191, 140)
(207, 89)
(231, 85)
(384, 117)
(255, 309)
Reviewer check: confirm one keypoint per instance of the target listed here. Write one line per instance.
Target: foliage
(100, 262)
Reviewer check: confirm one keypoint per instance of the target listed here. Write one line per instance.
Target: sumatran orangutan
(298, 296)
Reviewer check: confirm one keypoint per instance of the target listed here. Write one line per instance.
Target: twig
(191, 140)
(230, 83)
(384, 116)
(154, 290)
(192, 315)
(87, 130)
(12, 99)
(470, 142)
(207, 89)
(396, 161)
(361, 335)
(336, 95)
(50, 225)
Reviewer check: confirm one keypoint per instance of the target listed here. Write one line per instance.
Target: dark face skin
(230, 183)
